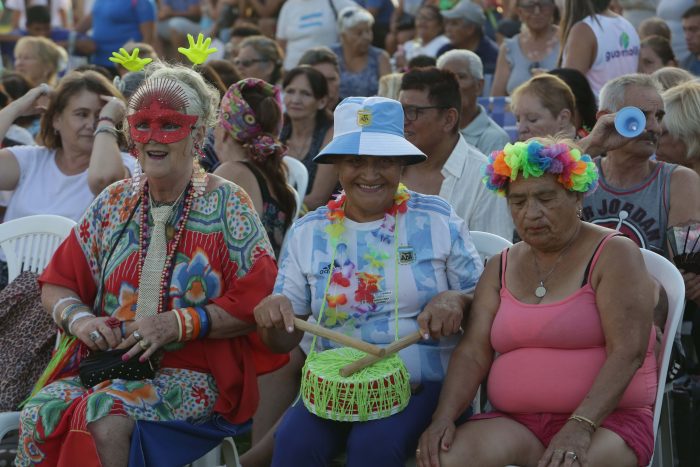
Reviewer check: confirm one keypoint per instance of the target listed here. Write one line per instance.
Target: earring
(198, 150)
(579, 212)
(199, 178)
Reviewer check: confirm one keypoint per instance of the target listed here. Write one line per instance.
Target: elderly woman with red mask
(157, 282)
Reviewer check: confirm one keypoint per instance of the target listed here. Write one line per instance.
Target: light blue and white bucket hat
(369, 126)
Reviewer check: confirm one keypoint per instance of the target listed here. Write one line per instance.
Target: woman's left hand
(569, 447)
(442, 316)
(149, 334)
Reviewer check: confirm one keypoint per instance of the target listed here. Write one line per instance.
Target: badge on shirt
(407, 255)
(325, 270)
(382, 296)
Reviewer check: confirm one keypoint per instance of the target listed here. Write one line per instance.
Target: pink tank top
(550, 354)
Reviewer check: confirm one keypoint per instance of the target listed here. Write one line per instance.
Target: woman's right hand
(275, 312)
(33, 102)
(437, 437)
(109, 338)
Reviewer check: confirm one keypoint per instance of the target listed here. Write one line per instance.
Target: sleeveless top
(314, 148)
(640, 212)
(272, 217)
(618, 49)
(551, 354)
(364, 83)
(521, 66)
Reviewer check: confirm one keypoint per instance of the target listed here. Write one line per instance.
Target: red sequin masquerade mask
(156, 113)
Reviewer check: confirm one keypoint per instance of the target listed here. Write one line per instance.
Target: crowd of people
(194, 258)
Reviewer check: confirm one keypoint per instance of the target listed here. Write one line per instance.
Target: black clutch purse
(101, 366)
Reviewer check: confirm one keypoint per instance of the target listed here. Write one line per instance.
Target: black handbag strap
(97, 304)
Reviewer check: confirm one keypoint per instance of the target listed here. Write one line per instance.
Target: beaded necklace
(172, 245)
(368, 282)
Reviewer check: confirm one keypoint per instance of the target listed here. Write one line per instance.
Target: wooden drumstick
(339, 338)
(366, 361)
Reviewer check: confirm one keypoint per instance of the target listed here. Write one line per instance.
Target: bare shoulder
(580, 31)
(232, 171)
(620, 261)
(683, 178)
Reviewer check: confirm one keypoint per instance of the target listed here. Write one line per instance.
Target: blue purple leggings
(305, 439)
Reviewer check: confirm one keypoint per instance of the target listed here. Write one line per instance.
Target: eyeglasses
(247, 63)
(543, 5)
(427, 18)
(411, 112)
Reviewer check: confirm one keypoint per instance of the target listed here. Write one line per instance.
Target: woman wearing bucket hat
(377, 263)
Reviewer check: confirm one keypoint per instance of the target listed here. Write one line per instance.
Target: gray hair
(476, 67)
(203, 98)
(351, 16)
(612, 96)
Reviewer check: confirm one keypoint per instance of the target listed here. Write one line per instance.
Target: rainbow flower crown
(576, 171)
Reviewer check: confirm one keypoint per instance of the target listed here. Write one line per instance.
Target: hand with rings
(568, 448)
(436, 438)
(98, 333)
(151, 333)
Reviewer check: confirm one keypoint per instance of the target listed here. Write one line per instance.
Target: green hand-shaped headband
(197, 53)
(130, 62)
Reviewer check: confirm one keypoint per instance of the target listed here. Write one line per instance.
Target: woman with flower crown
(567, 313)
(377, 263)
(157, 284)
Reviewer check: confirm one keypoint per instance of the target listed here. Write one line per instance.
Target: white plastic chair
(28, 244)
(298, 178)
(488, 244)
(668, 276)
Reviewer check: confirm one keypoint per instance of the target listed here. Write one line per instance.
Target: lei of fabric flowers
(239, 120)
(368, 283)
(575, 171)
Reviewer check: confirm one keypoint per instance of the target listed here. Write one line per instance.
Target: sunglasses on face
(241, 62)
(543, 5)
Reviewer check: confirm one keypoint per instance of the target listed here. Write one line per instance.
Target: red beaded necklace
(172, 246)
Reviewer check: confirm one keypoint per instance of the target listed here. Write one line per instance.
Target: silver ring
(137, 336)
(572, 454)
(95, 336)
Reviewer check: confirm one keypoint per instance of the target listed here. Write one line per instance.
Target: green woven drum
(375, 392)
